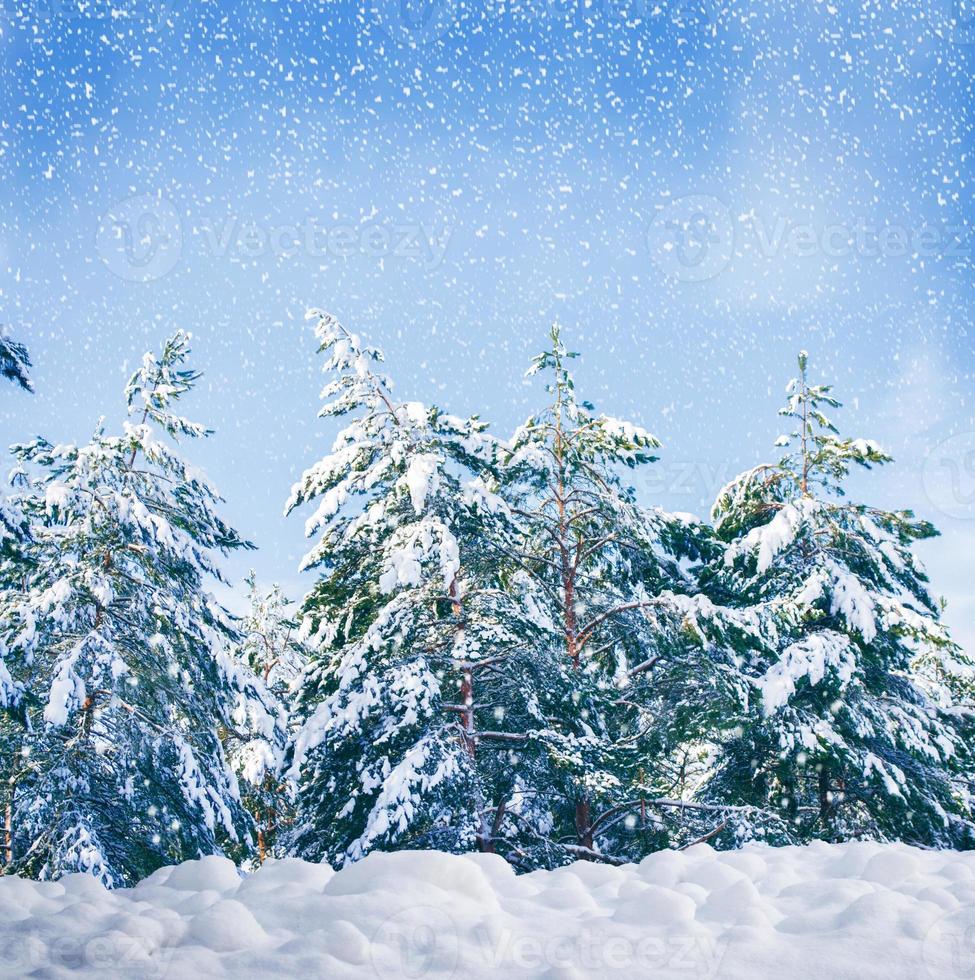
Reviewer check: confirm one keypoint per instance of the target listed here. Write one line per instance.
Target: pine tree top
(819, 457)
(815, 467)
(568, 434)
(159, 382)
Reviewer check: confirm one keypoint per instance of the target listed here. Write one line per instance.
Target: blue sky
(695, 190)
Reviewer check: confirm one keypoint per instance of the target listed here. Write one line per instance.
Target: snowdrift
(851, 910)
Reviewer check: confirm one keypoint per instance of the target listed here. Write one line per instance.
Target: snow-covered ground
(825, 911)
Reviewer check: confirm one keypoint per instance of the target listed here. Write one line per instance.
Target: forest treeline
(502, 648)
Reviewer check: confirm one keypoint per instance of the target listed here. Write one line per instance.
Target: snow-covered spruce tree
(14, 532)
(844, 738)
(12, 571)
(269, 648)
(14, 539)
(632, 684)
(14, 536)
(120, 652)
(410, 634)
(15, 363)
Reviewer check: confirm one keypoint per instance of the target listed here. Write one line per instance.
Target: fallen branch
(701, 840)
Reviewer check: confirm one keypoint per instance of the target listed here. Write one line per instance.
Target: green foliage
(15, 363)
(270, 649)
(852, 729)
(502, 649)
(119, 654)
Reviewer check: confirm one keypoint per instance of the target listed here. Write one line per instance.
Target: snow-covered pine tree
(269, 648)
(15, 362)
(14, 365)
(14, 536)
(406, 626)
(842, 739)
(630, 681)
(14, 529)
(121, 652)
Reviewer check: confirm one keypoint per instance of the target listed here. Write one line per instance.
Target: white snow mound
(852, 910)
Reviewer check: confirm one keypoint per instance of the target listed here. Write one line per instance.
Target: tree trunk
(485, 843)
(8, 815)
(468, 737)
(8, 833)
(571, 641)
(825, 802)
(584, 824)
